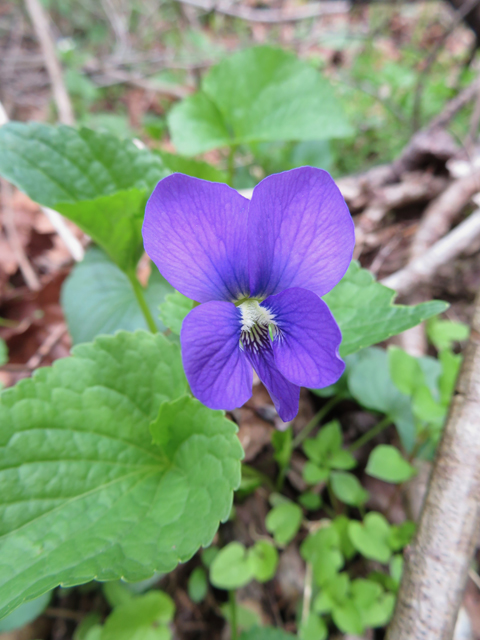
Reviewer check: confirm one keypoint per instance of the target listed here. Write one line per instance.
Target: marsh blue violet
(258, 268)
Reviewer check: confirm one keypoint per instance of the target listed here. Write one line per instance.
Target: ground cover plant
(226, 450)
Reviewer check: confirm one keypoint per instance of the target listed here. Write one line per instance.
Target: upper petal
(306, 346)
(217, 370)
(301, 233)
(196, 233)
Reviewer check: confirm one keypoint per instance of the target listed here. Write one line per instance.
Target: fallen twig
(26, 268)
(117, 76)
(425, 267)
(60, 94)
(47, 345)
(442, 212)
(437, 564)
(272, 16)
(414, 187)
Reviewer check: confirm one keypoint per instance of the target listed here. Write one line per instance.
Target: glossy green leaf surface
(259, 94)
(365, 311)
(95, 179)
(85, 493)
(97, 298)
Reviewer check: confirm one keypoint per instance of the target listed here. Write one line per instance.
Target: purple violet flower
(258, 268)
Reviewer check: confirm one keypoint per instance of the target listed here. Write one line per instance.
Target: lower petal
(306, 346)
(217, 370)
(284, 394)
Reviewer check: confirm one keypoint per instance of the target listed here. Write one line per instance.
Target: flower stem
(307, 593)
(231, 164)
(371, 433)
(233, 615)
(140, 296)
(318, 417)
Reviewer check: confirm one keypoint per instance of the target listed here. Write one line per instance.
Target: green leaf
(142, 618)
(97, 298)
(375, 606)
(340, 524)
(313, 629)
(174, 309)
(231, 568)
(191, 167)
(365, 311)
(284, 521)
(313, 474)
(114, 222)
(370, 384)
(451, 363)
(116, 593)
(247, 617)
(322, 550)
(327, 441)
(198, 585)
(387, 463)
(25, 613)
(263, 559)
(84, 630)
(282, 446)
(257, 95)
(84, 492)
(348, 489)
(342, 460)
(98, 181)
(266, 633)
(444, 333)
(3, 353)
(401, 535)
(209, 555)
(347, 618)
(426, 408)
(405, 370)
(310, 500)
(371, 537)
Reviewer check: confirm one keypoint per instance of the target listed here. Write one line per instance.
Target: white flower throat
(258, 326)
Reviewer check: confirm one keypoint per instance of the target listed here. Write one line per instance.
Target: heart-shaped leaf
(231, 568)
(258, 94)
(348, 489)
(85, 493)
(98, 298)
(371, 537)
(283, 521)
(387, 463)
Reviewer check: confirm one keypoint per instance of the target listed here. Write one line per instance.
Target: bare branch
(425, 267)
(272, 16)
(60, 94)
(438, 561)
(442, 212)
(29, 275)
